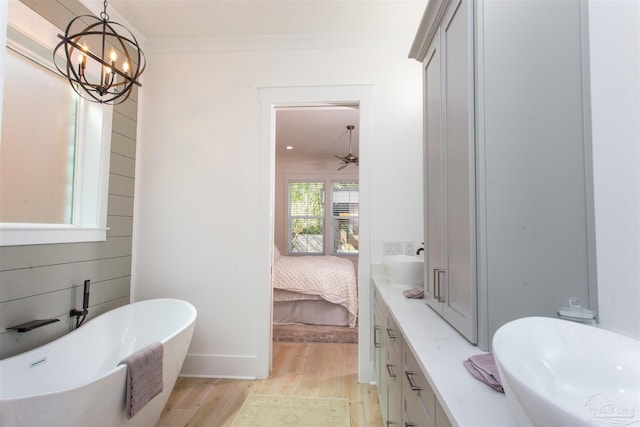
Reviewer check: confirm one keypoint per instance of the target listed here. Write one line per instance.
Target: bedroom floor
(301, 369)
(314, 333)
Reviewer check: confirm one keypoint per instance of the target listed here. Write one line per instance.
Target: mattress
(310, 312)
(313, 278)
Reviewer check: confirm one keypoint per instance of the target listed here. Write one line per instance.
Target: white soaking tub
(76, 380)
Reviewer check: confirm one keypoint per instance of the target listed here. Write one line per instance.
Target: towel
(483, 368)
(417, 292)
(144, 376)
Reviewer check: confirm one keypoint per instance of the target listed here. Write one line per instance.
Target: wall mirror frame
(31, 36)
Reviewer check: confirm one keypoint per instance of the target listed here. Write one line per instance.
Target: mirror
(54, 146)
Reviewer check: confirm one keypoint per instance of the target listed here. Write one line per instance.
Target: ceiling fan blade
(343, 166)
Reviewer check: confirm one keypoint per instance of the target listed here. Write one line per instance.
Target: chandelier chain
(104, 15)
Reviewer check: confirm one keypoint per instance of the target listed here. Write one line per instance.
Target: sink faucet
(420, 249)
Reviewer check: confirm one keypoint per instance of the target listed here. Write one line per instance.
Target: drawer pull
(438, 283)
(413, 385)
(408, 424)
(376, 339)
(391, 334)
(390, 370)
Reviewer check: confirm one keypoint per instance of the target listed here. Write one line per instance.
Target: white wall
(200, 233)
(615, 64)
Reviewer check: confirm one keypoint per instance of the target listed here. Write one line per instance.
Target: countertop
(440, 350)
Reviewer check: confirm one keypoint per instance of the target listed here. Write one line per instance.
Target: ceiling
(311, 131)
(167, 19)
(316, 131)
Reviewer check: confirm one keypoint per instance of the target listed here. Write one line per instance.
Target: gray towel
(417, 292)
(483, 368)
(144, 376)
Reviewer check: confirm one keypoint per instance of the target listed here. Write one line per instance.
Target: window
(54, 146)
(344, 207)
(306, 217)
(309, 209)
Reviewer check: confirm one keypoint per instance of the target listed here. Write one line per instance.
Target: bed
(314, 290)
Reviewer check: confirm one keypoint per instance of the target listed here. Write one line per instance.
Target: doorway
(316, 224)
(314, 96)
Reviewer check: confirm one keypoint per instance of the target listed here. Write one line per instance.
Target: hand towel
(144, 376)
(417, 292)
(483, 368)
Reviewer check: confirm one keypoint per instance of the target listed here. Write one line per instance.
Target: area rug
(263, 410)
(313, 333)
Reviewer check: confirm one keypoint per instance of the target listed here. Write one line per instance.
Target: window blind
(345, 217)
(306, 217)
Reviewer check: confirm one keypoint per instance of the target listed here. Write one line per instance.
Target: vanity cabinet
(406, 398)
(387, 363)
(509, 223)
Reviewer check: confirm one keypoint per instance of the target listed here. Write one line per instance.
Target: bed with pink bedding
(315, 290)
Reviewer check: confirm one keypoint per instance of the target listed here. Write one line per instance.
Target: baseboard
(220, 366)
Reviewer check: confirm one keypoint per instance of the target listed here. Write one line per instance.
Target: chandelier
(92, 54)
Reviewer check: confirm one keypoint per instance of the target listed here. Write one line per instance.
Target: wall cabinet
(509, 227)
(450, 171)
(406, 398)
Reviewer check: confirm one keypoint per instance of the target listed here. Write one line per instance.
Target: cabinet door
(377, 345)
(450, 171)
(459, 288)
(434, 152)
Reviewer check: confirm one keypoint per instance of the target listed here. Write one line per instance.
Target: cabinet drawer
(415, 384)
(393, 348)
(413, 414)
(441, 418)
(392, 334)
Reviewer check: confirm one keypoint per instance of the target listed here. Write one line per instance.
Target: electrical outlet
(409, 248)
(392, 248)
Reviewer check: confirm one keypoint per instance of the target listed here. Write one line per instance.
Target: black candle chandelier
(92, 66)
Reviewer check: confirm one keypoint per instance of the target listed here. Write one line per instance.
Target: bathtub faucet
(85, 305)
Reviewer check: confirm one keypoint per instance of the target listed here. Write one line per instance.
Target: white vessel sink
(561, 373)
(404, 269)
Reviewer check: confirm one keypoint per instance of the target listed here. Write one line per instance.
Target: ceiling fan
(350, 158)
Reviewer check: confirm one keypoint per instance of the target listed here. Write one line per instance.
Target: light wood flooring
(300, 369)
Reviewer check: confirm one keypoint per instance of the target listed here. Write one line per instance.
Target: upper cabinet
(509, 226)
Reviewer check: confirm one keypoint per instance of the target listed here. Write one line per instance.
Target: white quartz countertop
(440, 350)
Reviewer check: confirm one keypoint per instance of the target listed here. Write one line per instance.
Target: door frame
(294, 96)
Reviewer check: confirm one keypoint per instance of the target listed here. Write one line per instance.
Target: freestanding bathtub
(76, 380)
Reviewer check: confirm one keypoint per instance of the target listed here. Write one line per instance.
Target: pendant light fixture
(101, 64)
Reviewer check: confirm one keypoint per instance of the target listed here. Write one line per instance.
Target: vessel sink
(561, 373)
(404, 269)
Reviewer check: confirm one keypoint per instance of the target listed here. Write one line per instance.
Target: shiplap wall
(46, 281)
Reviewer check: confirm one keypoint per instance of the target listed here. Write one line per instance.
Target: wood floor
(300, 369)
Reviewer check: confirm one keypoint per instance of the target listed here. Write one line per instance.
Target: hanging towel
(417, 292)
(144, 376)
(483, 368)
